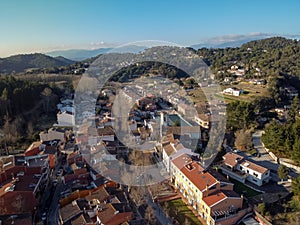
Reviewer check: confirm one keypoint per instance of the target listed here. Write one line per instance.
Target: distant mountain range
(78, 54)
(218, 42)
(20, 63)
(234, 41)
(82, 54)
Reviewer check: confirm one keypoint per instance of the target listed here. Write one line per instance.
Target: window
(255, 174)
(223, 185)
(213, 187)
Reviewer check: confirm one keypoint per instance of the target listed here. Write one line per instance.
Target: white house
(172, 149)
(233, 91)
(238, 168)
(65, 119)
(203, 120)
(53, 134)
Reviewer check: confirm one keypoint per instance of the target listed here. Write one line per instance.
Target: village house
(102, 205)
(233, 91)
(237, 167)
(65, 119)
(209, 193)
(203, 120)
(53, 133)
(21, 189)
(171, 148)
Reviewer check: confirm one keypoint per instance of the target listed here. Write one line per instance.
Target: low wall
(282, 161)
(273, 156)
(289, 165)
(261, 219)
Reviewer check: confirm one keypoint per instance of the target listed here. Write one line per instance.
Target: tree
(150, 215)
(243, 139)
(296, 186)
(294, 110)
(262, 208)
(187, 222)
(46, 93)
(282, 172)
(4, 95)
(239, 115)
(296, 151)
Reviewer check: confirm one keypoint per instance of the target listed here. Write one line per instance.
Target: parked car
(44, 216)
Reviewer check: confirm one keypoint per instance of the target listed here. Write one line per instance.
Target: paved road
(265, 159)
(159, 213)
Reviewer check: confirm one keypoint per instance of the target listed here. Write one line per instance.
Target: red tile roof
(219, 196)
(214, 198)
(110, 216)
(33, 149)
(194, 172)
(231, 159)
(79, 221)
(15, 202)
(101, 194)
(120, 218)
(254, 166)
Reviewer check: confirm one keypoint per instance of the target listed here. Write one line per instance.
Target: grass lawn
(243, 189)
(183, 212)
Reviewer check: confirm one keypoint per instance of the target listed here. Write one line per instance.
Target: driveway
(266, 160)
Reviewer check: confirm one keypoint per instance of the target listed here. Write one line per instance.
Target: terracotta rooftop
(79, 221)
(33, 145)
(219, 196)
(168, 148)
(214, 198)
(6, 162)
(101, 194)
(168, 138)
(194, 172)
(105, 131)
(231, 159)
(69, 211)
(14, 202)
(181, 130)
(204, 117)
(254, 166)
(106, 214)
(120, 218)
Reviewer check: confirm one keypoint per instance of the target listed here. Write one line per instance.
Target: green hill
(20, 63)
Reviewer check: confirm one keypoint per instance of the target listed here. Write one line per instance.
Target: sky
(41, 26)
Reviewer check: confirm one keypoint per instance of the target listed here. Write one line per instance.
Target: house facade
(210, 194)
(243, 170)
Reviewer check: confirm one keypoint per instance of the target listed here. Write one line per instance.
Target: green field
(243, 189)
(178, 210)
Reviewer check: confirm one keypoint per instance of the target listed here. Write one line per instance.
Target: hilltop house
(237, 167)
(233, 91)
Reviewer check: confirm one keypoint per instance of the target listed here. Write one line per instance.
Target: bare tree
(150, 216)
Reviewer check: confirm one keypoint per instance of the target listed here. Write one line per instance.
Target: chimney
(205, 192)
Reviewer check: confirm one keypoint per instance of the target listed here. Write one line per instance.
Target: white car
(44, 216)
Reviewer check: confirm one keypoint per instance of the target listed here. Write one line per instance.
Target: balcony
(234, 173)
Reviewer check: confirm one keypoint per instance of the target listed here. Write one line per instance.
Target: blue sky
(39, 26)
